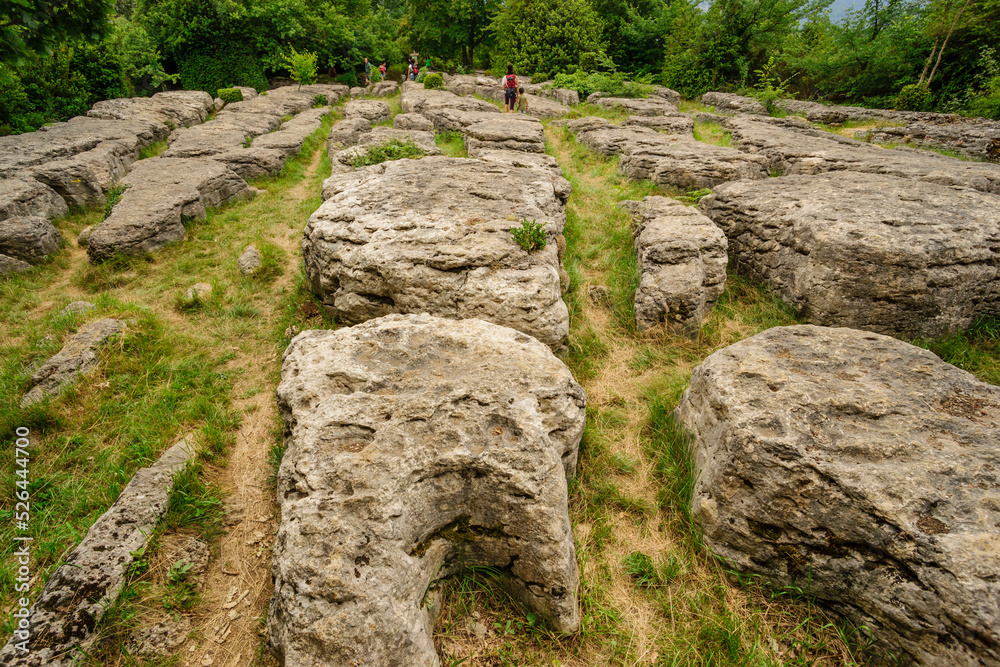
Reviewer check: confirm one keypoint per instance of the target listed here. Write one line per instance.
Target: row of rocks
(64, 619)
(863, 470)
(207, 165)
(418, 447)
(975, 141)
(75, 163)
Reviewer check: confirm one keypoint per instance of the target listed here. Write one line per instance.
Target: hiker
(381, 68)
(409, 69)
(416, 70)
(427, 65)
(522, 101)
(509, 90)
(368, 71)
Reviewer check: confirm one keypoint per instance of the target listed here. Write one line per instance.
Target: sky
(840, 7)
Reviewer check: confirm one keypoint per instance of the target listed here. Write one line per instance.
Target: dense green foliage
(546, 35)
(394, 149)
(433, 81)
(229, 95)
(301, 66)
(615, 84)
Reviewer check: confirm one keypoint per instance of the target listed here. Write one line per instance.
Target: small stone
(77, 307)
(599, 295)
(162, 639)
(479, 630)
(207, 660)
(84, 236)
(250, 261)
(292, 331)
(198, 291)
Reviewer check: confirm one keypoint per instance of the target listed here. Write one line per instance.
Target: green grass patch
(712, 133)
(451, 143)
(394, 149)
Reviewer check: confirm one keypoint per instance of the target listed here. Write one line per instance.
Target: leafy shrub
(530, 235)
(540, 35)
(230, 64)
(375, 76)
(913, 98)
(349, 79)
(539, 77)
(394, 149)
(421, 77)
(614, 84)
(228, 95)
(301, 66)
(433, 81)
(770, 88)
(395, 72)
(319, 101)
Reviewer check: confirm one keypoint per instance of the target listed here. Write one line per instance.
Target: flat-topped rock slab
(418, 447)
(682, 259)
(977, 141)
(433, 235)
(678, 123)
(505, 132)
(684, 162)
(27, 235)
(446, 110)
(540, 107)
(793, 151)
(873, 252)
(178, 107)
(161, 192)
(863, 468)
(652, 106)
(373, 111)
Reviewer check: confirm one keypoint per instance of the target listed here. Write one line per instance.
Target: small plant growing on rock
(319, 101)
(113, 197)
(247, 142)
(530, 235)
(770, 89)
(433, 81)
(913, 98)
(394, 149)
(228, 95)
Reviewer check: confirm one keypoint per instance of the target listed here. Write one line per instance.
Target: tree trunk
(945, 42)
(927, 64)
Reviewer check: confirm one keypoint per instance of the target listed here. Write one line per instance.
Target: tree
(546, 35)
(451, 29)
(37, 26)
(301, 67)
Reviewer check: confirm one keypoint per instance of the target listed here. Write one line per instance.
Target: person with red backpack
(510, 90)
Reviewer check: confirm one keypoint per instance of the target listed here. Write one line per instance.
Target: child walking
(522, 101)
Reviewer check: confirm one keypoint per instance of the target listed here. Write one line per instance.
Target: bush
(913, 98)
(421, 77)
(319, 101)
(228, 95)
(349, 79)
(769, 89)
(394, 149)
(433, 81)
(614, 84)
(530, 235)
(539, 77)
(230, 64)
(537, 35)
(301, 67)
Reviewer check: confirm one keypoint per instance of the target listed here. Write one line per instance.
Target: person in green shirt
(522, 101)
(428, 64)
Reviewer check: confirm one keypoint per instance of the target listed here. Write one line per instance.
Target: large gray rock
(668, 94)
(867, 251)
(29, 239)
(77, 357)
(973, 140)
(412, 121)
(64, 618)
(10, 265)
(653, 106)
(384, 89)
(269, 152)
(862, 469)
(522, 159)
(679, 123)
(433, 235)
(728, 103)
(505, 132)
(347, 132)
(371, 110)
(82, 179)
(539, 107)
(448, 111)
(162, 193)
(563, 96)
(682, 259)
(26, 233)
(418, 447)
(794, 150)
(176, 107)
(25, 197)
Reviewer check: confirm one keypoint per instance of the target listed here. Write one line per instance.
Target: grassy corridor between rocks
(205, 367)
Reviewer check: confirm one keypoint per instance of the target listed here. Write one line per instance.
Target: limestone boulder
(208, 140)
(793, 150)
(82, 179)
(291, 136)
(668, 94)
(347, 132)
(682, 259)
(379, 137)
(385, 89)
(448, 111)
(161, 193)
(412, 121)
(653, 106)
(563, 96)
(872, 252)
(418, 447)
(863, 469)
(77, 357)
(250, 261)
(21, 197)
(973, 140)
(686, 163)
(609, 139)
(11, 265)
(29, 238)
(433, 235)
(64, 617)
(728, 103)
(26, 234)
(680, 124)
(505, 132)
(180, 108)
(371, 110)
(586, 124)
(523, 159)
(539, 107)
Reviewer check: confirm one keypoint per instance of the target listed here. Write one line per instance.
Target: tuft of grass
(451, 143)
(712, 133)
(394, 149)
(530, 235)
(153, 150)
(114, 195)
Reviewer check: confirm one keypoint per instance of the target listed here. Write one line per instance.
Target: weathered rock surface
(433, 235)
(250, 261)
(380, 136)
(385, 89)
(863, 468)
(728, 103)
(161, 193)
(522, 159)
(412, 121)
(417, 447)
(77, 357)
(371, 110)
(29, 238)
(25, 197)
(668, 94)
(77, 308)
(680, 124)
(652, 106)
(448, 111)
(198, 291)
(269, 152)
(10, 265)
(346, 133)
(505, 132)
(978, 141)
(563, 96)
(793, 151)
(176, 107)
(79, 592)
(682, 258)
(871, 252)
(539, 107)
